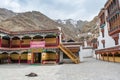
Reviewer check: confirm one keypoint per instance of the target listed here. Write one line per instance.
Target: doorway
(37, 57)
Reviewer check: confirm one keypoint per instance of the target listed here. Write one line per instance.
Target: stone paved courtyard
(90, 69)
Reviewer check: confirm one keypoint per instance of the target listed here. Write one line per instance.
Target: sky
(57, 9)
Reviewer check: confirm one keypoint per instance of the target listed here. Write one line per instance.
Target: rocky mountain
(5, 14)
(81, 29)
(34, 20)
(29, 21)
(74, 27)
(72, 23)
(90, 30)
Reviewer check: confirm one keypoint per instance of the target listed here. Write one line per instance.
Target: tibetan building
(42, 46)
(109, 32)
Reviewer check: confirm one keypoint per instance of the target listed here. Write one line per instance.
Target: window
(103, 42)
(116, 41)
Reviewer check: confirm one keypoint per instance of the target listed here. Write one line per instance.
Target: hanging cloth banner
(37, 44)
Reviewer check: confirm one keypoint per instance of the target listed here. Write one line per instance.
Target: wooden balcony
(109, 54)
(109, 50)
(114, 30)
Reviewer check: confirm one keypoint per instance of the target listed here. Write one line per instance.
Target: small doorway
(37, 57)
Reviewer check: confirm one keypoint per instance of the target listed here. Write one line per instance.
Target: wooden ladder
(72, 56)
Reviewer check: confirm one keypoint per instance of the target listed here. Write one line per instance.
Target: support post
(103, 56)
(1, 41)
(29, 61)
(20, 42)
(19, 61)
(32, 58)
(99, 56)
(9, 58)
(113, 53)
(57, 40)
(10, 42)
(107, 56)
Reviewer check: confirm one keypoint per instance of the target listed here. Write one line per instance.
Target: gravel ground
(90, 69)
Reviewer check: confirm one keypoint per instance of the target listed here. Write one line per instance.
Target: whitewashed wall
(119, 39)
(109, 41)
(85, 53)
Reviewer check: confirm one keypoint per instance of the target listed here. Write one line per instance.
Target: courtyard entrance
(37, 57)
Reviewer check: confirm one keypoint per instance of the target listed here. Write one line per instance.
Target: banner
(37, 44)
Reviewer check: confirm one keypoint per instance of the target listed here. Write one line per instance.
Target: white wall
(85, 43)
(100, 38)
(119, 2)
(61, 56)
(85, 53)
(109, 41)
(119, 39)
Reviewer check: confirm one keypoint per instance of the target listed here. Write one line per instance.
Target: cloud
(57, 9)
(10, 4)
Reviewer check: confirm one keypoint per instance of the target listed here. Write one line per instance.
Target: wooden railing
(114, 30)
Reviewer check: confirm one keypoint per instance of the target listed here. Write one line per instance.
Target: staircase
(72, 56)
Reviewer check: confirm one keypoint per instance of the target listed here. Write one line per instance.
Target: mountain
(90, 30)
(29, 21)
(5, 14)
(81, 29)
(72, 23)
(34, 20)
(74, 27)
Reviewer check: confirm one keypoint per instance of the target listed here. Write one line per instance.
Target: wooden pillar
(103, 56)
(29, 59)
(57, 57)
(20, 42)
(57, 40)
(32, 62)
(99, 56)
(107, 56)
(113, 53)
(1, 41)
(8, 58)
(10, 42)
(19, 58)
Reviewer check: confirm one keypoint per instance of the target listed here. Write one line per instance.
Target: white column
(61, 56)
(60, 36)
(81, 54)
(100, 38)
(119, 39)
(85, 43)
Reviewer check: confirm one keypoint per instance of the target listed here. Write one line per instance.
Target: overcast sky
(57, 9)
